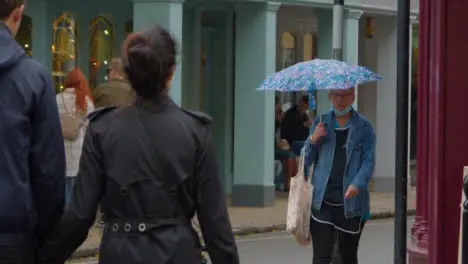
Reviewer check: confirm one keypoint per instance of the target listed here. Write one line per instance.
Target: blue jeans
(69, 183)
(296, 147)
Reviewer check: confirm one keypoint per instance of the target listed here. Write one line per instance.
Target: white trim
(337, 227)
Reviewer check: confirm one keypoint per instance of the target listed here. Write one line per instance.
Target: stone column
(351, 40)
(324, 50)
(169, 14)
(386, 36)
(255, 58)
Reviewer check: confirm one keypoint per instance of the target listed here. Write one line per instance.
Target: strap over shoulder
(99, 112)
(203, 117)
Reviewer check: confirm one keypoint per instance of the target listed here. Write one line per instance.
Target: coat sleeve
(73, 228)
(47, 160)
(211, 207)
(361, 180)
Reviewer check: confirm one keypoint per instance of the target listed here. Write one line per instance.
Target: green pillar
(41, 32)
(351, 40)
(255, 58)
(324, 50)
(169, 14)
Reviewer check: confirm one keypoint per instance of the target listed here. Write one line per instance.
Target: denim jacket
(360, 161)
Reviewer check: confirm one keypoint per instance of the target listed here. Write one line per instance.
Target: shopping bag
(300, 204)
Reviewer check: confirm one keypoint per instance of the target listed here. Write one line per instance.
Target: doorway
(216, 85)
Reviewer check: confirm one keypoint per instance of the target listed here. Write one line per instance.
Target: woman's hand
(351, 192)
(319, 132)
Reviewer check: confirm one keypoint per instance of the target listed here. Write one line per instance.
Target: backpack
(71, 122)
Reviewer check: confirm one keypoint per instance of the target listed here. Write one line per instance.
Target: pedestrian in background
(74, 103)
(32, 159)
(116, 91)
(152, 166)
(342, 147)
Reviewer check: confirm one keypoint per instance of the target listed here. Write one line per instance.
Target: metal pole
(338, 14)
(337, 45)
(464, 233)
(401, 148)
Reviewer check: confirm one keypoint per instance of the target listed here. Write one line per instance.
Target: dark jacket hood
(11, 51)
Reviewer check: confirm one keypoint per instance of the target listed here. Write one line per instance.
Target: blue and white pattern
(319, 74)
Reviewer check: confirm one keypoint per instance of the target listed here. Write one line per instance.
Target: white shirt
(72, 148)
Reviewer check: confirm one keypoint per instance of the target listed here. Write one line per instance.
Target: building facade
(226, 50)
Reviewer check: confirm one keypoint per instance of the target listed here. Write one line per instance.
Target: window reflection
(24, 36)
(101, 48)
(63, 48)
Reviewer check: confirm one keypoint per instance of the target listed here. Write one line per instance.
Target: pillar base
(419, 243)
(253, 196)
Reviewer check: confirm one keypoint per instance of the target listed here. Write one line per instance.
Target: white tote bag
(300, 204)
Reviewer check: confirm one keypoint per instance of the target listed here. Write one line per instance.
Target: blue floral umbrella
(319, 74)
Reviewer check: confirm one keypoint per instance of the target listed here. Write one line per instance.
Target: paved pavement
(279, 247)
(260, 220)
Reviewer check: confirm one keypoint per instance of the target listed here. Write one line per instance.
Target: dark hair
(304, 99)
(7, 6)
(149, 58)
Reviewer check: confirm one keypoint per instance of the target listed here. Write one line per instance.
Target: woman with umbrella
(340, 149)
(342, 146)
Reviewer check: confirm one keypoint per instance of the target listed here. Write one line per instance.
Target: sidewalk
(261, 220)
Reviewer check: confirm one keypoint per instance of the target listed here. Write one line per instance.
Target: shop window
(288, 58)
(24, 36)
(101, 48)
(63, 48)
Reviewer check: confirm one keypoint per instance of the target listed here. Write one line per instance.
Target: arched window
(101, 48)
(63, 48)
(24, 36)
(288, 58)
(288, 49)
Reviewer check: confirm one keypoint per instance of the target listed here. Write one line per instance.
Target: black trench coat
(151, 168)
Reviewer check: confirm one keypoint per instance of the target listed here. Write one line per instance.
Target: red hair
(76, 79)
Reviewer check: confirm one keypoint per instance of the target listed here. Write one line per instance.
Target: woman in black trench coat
(152, 167)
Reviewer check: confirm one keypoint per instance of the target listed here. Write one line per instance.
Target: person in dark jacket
(32, 158)
(296, 123)
(152, 167)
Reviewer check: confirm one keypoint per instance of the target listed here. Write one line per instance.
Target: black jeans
(17, 255)
(323, 242)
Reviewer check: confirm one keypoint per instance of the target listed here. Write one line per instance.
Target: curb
(93, 251)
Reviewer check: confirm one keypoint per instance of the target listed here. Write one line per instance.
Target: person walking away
(151, 166)
(342, 145)
(74, 103)
(32, 159)
(283, 151)
(116, 91)
(296, 124)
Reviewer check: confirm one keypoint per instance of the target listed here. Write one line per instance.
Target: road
(279, 247)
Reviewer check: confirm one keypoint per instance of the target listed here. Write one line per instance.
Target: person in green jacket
(116, 91)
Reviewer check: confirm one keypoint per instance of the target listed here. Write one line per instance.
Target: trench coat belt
(143, 226)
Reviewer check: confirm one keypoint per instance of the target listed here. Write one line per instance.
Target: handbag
(300, 204)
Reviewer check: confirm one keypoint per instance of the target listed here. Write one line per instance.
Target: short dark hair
(7, 6)
(304, 99)
(149, 58)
